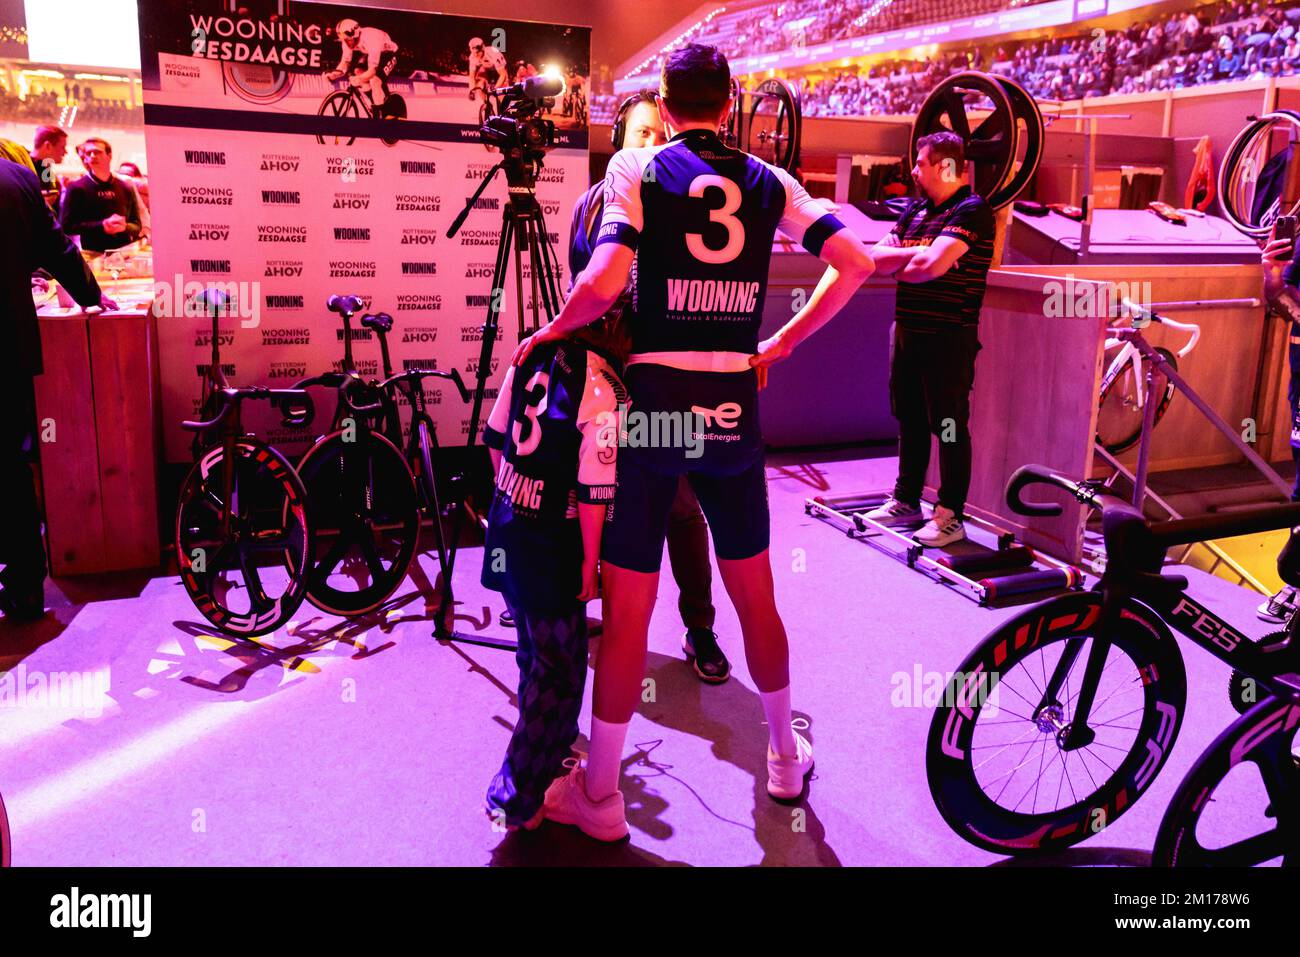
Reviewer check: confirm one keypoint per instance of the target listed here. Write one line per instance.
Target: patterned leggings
(552, 660)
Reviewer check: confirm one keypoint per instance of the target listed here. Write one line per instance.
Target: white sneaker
(785, 776)
(567, 803)
(938, 532)
(894, 512)
(1280, 607)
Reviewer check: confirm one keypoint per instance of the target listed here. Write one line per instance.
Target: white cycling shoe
(567, 803)
(785, 776)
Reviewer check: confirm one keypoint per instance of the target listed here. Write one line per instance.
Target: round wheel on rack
(992, 142)
(1029, 120)
(1243, 164)
(774, 125)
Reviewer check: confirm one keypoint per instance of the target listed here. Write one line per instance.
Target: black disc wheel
(248, 574)
(367, 516)
(1119, 411)
(1239, 805)
(992, 140)
(1031, 138)
(1007, 769)
(340, 103)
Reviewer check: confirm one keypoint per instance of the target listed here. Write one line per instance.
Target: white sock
(605, 759)
(776, 705)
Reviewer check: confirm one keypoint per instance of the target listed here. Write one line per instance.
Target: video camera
(517, 131)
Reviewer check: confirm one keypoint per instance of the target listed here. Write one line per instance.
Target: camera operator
(638, 124)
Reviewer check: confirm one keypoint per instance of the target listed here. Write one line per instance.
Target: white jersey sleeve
(623, 217)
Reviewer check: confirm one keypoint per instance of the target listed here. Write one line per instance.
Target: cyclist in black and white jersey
(376, 48)
(700, 218)
(487, 68)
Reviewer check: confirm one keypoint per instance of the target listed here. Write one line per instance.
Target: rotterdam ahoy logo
(131, 911)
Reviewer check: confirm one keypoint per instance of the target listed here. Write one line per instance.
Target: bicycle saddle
(380, 322)
(349, 305)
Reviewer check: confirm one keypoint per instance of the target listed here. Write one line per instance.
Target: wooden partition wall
(1038, 376)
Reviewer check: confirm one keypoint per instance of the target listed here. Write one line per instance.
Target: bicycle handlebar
(415, 375)
(1181, 531)
(295, 405)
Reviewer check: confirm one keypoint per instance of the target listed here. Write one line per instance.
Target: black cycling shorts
(701, 424)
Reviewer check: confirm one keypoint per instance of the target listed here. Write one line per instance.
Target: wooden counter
(98, 420)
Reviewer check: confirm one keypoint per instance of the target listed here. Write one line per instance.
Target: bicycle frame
(1163, 604)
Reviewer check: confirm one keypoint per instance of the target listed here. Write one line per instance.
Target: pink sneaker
(567, 803)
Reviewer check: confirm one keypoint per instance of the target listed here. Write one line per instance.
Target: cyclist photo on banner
(487, 69)
(367, 60)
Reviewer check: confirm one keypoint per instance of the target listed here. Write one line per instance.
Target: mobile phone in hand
(1285, 229)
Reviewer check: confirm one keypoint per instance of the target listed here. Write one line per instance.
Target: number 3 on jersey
(534, 406)
(735, 228)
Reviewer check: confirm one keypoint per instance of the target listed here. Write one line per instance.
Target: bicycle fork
(1073, 734)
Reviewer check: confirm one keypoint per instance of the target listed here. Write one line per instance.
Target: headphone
(620, 118)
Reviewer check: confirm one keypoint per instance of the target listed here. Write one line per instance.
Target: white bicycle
(1123, 388)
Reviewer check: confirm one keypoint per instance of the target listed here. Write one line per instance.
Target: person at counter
(940, 252)
(99, 207)
(30, 240)
(48, 150)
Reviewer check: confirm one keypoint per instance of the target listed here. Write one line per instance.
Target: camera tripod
(523, 231)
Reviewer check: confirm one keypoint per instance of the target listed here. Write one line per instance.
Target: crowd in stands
(46, 106)
(799, 23)
(1214, 43)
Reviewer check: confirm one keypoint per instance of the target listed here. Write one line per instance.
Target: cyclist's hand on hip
(770, 351)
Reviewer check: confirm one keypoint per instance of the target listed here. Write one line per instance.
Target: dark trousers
(22, 549)
(930, 379)
(552, 659)
(688, 553)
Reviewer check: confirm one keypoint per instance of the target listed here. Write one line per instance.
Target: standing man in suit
(29, 241)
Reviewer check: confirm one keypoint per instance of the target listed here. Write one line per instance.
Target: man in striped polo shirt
(940, 252)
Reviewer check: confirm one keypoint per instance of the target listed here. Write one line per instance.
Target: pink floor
(372, 744)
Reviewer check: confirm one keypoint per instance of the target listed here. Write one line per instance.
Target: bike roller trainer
(980, 573)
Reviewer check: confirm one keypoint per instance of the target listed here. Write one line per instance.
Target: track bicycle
(421, 438)
(1060, 719)
(362, 493)
(366, 483)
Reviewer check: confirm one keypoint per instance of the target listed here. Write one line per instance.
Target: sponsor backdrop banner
(258, 186)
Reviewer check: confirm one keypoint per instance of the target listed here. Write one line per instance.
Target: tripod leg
(442, 627)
